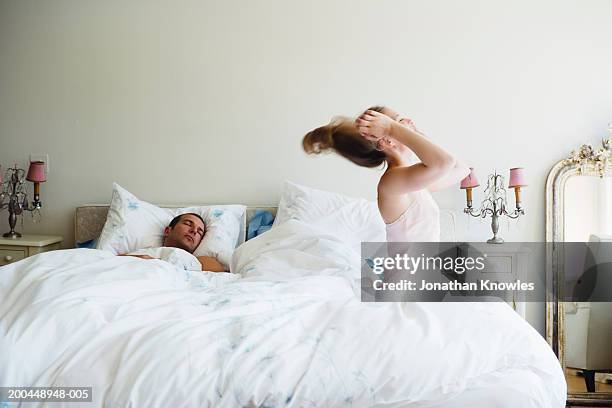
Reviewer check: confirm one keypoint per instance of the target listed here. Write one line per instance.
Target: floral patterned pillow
(133, 224)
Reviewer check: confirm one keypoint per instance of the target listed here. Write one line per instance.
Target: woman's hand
(399, 118)
(374, 125)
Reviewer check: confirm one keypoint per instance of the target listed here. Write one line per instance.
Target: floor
(576, 383)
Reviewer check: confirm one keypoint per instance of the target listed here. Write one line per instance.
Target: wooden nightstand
(13, 250)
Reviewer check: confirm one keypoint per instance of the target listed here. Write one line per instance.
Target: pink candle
(517, 180)
(467, 184)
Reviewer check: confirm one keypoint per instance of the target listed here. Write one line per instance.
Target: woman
(415, 166)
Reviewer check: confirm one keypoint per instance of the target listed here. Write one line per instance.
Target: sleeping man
(186, 231)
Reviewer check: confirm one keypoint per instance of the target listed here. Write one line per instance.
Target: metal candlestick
(14, 190)
(495, 205)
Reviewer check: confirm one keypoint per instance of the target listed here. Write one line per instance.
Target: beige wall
(202, 101)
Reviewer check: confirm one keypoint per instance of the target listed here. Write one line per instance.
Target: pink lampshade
(470, 181)
(517, 177)
(36, 172)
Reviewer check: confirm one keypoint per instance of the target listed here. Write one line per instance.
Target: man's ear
(167, 231)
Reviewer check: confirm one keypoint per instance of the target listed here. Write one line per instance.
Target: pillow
(132, 224)
(223, 226)
(353, 220)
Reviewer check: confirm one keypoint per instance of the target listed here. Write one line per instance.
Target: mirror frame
(585, 161)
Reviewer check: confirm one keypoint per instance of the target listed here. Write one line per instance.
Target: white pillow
(132, 224)
(353, 220)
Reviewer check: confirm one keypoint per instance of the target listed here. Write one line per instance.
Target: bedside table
(13, 250)
(505, 262)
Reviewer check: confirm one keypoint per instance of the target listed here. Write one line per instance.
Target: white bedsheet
(290, 333)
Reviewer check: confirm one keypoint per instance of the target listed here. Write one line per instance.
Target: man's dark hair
(176, 219)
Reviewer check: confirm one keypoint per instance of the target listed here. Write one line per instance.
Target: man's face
(186, 234)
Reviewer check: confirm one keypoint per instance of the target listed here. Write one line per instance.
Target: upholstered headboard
(89, 220)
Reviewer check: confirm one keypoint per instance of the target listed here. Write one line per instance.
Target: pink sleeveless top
(419, 223)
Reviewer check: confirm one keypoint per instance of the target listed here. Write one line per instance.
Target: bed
(285, 329)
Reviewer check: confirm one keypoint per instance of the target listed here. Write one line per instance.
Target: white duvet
(289, 333)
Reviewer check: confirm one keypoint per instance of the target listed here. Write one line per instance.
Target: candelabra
(13, 194)
(495, 202)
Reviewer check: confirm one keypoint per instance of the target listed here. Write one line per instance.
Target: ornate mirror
(579, 209)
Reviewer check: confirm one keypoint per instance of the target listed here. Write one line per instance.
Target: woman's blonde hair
(341, 135)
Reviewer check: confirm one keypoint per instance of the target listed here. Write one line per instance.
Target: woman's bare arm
(451, 178)
(435, 161)
(454, 175)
